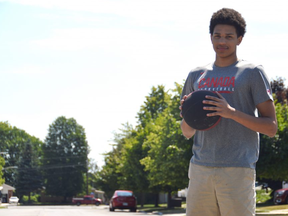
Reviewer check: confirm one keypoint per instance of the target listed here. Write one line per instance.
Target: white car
(13, 199)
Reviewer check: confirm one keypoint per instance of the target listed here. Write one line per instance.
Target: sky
(96, 60)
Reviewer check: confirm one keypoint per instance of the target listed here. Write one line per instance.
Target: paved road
(13, 210)
(69, 210)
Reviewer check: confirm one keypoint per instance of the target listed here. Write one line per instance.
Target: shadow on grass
(162, 208)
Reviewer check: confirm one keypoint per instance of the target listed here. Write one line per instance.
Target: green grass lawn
(267, 207)
(260, 208)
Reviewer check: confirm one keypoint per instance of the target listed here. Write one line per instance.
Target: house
(6, 191)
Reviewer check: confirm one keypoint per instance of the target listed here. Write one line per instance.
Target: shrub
(262, 196)
(33, 199)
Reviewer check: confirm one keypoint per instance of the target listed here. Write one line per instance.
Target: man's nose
(222, 40)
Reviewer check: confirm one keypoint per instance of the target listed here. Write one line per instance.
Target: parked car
(13, 199)
(281, 196)
(123, 199)
(88, 199)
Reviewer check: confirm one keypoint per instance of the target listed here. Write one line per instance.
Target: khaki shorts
(221, 191)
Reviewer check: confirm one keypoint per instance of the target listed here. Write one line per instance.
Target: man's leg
(201, 199)
(235, 191)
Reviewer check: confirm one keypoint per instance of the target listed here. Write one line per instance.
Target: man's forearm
(187, 131)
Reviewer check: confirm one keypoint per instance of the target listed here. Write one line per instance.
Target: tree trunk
(157, 200)
(169, 200)
(142, 199)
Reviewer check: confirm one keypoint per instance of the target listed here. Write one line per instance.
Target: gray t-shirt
(229, 144)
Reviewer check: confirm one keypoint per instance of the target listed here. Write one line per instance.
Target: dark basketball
(194, 114)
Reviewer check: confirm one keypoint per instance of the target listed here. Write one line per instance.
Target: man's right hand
(181, 103)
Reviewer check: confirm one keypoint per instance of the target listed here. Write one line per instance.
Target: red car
(281, 196)
(123, 199)
(88, 199)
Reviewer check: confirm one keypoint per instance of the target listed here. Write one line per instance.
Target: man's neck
(224, 62)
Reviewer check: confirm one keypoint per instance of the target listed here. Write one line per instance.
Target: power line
(52, 167)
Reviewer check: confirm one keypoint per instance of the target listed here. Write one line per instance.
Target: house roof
(7, 187)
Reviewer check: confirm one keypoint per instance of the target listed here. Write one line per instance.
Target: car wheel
(133, 210)
(78, 203)
(97, 203)
(111, 207)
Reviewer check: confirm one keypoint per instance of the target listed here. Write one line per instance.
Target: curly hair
(229, 17)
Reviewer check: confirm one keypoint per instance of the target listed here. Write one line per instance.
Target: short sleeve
(188, 86)
(260, 85)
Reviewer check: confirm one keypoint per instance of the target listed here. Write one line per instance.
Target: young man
(222, 168)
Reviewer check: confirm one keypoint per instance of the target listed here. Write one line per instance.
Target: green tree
(2, 163)
(169, 155)
(28, 177)
(93, 171)
(108, 176)
(12, 142)
(272, 166)
(155, 103)
(273, 159)
(134, 175)
(154, 147)
(65, 158)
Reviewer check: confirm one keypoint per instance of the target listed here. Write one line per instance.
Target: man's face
(225, 40)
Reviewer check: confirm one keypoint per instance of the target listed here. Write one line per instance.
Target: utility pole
(87, 175)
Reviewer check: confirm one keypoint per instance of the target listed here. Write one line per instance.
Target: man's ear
(239, 40)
